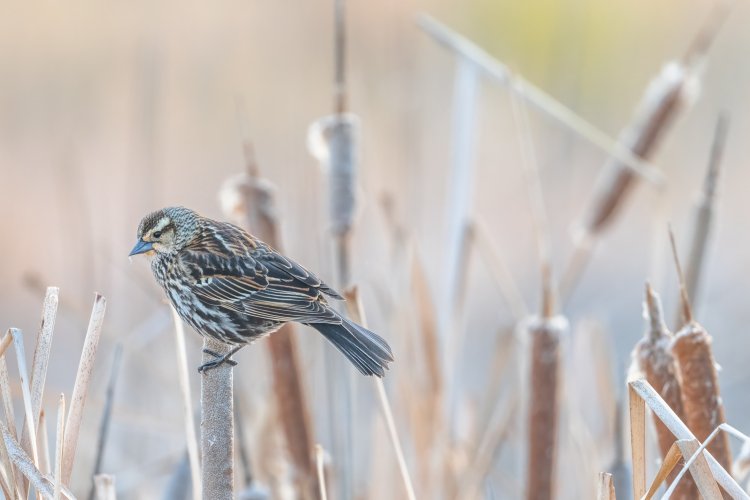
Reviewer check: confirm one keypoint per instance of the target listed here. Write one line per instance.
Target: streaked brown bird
(231, 286)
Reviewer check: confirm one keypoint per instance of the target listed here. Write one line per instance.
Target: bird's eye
(156, 234)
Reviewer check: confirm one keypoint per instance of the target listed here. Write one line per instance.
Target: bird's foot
(219, 360)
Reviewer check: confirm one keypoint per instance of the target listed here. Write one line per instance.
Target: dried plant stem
(654, 358)
(80, 389)
(187, 405)
(217, 426)
(605, 487)
(24, 376)
(545, 336)
(696, 453)
(41, 358)
(320, 467)
(704, 212)
(642, 395)
(59, 446)
(40, 481)
(357, 313)
(18, 479)
(44, 460)
(105, 487)
(106, 416)
(5, 343)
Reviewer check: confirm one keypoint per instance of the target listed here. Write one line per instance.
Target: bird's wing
(228, 268)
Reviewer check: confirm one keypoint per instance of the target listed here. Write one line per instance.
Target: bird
(231, 286)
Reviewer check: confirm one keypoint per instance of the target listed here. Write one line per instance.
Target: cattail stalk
(249, 200)
(217, 425)
(704, 213)
(654, 359)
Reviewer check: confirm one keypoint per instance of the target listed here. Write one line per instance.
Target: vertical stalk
(217, 426)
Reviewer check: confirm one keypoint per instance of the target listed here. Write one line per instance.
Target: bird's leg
(219, 360)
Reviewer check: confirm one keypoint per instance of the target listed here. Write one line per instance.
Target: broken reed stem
(653, 356)
(105, 487)
(41, 358)
(704, 410)
(249, 200)
(41, 482)
(107, 415)
(59, 445)
(187, 404)
(5, 343)
(543, 415)
(605, 487)
(704, 212)
(23, 374)
(641, 394)
(80, 389)
(217, 425)
(10, 419)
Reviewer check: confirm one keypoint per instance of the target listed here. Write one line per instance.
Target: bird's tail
(365, 349)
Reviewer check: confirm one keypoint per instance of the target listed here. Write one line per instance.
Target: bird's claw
(220, 360)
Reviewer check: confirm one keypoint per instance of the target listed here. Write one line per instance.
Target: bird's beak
(141, 247)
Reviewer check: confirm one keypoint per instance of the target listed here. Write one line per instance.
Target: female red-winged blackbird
(231, 286)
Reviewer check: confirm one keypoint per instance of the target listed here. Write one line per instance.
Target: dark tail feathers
(365, 349)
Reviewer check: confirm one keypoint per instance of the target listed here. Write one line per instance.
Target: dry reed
(357, 313)
(187, 405)
(703, 213)
(605, 487)
(217, 426)
(80, 389)
(706, 470)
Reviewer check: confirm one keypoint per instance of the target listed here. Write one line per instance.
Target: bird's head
(166, 231)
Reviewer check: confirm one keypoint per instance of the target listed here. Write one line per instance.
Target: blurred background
(111, 110)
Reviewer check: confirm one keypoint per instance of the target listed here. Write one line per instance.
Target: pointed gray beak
(141, 247)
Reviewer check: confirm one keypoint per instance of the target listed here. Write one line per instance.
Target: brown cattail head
(654, 359)
(543, 416)
(666, 96)
(704, 410)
